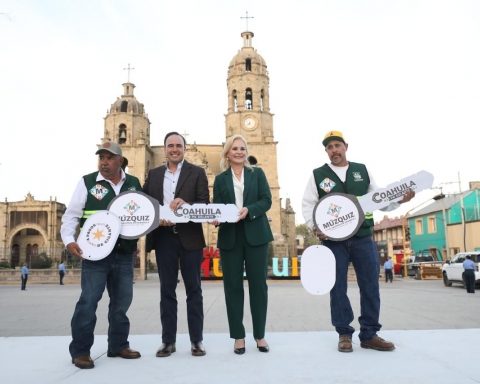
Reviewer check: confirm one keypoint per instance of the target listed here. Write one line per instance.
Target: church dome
(127, 102)
(247, 59)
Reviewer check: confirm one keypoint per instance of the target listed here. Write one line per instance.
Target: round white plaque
(138, 213)
(98, 235)
(338, 216)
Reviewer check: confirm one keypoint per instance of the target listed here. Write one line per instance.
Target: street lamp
(441, 196)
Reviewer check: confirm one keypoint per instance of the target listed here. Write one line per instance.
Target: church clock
(249, 122)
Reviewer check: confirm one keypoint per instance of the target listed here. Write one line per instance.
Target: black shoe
(263, 348)
(240, 350)
(197, 349)
(166, 350)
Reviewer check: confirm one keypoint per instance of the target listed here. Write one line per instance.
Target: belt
(170, 229)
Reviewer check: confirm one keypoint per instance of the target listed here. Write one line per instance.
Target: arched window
(28, 257)
(262, 95)
(235, 101)
(248, 64)
(15, 255)
(248, 99)
(124, 106)
(122, 134)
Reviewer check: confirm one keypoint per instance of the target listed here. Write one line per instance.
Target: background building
(448, 225)
(248, 114)
(30, 229)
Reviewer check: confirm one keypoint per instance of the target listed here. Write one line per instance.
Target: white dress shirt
(170, 182)
(238, 187)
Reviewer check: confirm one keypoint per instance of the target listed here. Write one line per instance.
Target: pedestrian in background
(388, 269)
(61, 271)
(24, 275)
(469, 274)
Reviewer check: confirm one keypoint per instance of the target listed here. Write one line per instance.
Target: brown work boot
(83, 362)
(125, 353)
(378, 344)
(345, 343)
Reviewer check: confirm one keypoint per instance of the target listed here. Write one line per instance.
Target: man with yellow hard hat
(344, 176)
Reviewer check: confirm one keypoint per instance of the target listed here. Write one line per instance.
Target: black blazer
(193, 188)
(256, 197)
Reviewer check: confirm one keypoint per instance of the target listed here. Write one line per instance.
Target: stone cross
(246, 17)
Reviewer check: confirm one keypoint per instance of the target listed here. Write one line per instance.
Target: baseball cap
(333, 135)
(111, 147)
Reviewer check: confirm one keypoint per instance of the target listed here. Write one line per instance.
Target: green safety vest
(100, 194)
(356, 183)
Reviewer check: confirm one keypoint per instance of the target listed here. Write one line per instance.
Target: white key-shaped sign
(394, 192)
(339, 216)
(200, 213)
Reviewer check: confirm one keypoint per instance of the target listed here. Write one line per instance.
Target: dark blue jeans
(361, 251)
(115, 272)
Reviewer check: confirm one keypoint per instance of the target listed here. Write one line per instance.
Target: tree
(40, 261)
(308, 235)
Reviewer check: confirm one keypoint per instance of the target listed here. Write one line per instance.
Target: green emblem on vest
(327, 185)
(357, 176)
(98, 191)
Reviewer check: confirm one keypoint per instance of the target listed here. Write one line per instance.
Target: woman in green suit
(244, 244)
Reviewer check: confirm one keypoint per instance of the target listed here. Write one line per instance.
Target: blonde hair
(224, 162)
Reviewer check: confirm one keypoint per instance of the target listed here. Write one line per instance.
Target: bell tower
(248, 95)
(127, 124)
(249, 115)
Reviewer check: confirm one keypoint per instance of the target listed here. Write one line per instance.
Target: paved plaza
(436, 331)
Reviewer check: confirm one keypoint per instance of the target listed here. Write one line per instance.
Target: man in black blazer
(174, 184)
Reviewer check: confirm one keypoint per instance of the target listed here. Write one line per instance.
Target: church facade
(30, 228)
(248, 114)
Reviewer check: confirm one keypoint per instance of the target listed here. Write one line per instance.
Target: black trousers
(171, 256)
(24, 282)
(388, 275)
(469, 277)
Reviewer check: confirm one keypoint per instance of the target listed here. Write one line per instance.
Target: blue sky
(401, 79)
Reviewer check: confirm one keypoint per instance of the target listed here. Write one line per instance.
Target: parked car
(452, 270)
(414, 263)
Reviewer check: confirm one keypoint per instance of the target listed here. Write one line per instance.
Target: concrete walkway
(435, 330)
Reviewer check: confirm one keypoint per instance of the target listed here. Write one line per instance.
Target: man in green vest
(352, 178)
(93, 193)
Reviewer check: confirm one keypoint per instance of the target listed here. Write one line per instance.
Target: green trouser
(255, 261)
